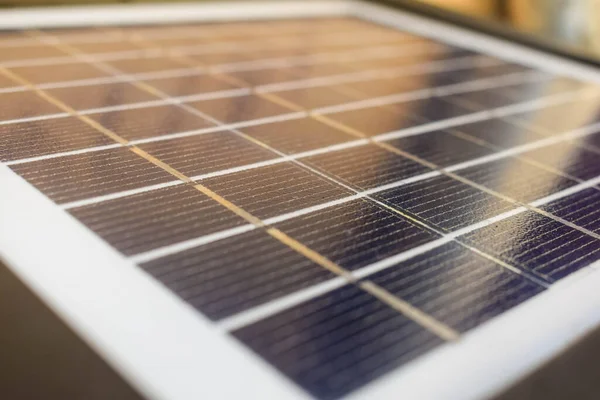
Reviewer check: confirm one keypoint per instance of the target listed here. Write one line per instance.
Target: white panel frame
(167, 350)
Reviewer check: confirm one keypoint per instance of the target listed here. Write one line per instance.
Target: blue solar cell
(441, 148)
(481, 99)
(432, 109)
(569, 159)
(582, 209)
(338, 341)
(536, 244)
(456, 285)
(145, 221)
(277, 189)
(561, 118)
(591, 141)
(232, 275)
(498, 133)
(366, 167)
(445, 203)
(374, 121)
(254, 233)
(356, 234)
(517, 179)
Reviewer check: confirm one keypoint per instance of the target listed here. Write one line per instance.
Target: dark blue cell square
(357, 233)
(560, 118)
(481, 99)
(502, 68)
(445, 203)
(482, 70)
(232, 275)
(433, 109)
(337, 342)
(366, 167)
(499, 133)
(591, 141)
(568, 159)
(452, 77)
(517, 179)
(457, 286)
(539, 88)
(536, 244)
(374, 121)
(441, 148)
(581, 209)
(450, 52)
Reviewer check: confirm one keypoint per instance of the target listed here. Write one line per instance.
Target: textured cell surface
(537, 244)
(457, 286)
(338, 341)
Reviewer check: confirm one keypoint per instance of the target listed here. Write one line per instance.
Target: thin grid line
(421, 318)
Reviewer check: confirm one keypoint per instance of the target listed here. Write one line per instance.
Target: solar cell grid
(225, 218)
(457, 286)
(143, 123)
(102, 95)
(537, 244)
(516, 179)
(21, 105)
(82, 176)
(445, 203)
(235, 274)
(373, 121)
(549, 121)
(32, 139)
(356, 234)
(73, 71)
(6, 82)
(110, 47)
(481, 100)
(580, 209)
(211, 152)
(297, 135)
(151, 64)
(275, 190)
(338, 341)
(240, 108)
(572, 160)
(591, 141)
(30, 52)
(366, 167)
(441, 148)
(190, 85)
(145, 221)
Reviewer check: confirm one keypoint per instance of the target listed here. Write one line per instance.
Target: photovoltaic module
(338, 201)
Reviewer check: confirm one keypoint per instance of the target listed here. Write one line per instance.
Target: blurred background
(571, 25)
(574, 24)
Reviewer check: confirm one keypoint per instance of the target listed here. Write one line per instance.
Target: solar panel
(314, 207)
